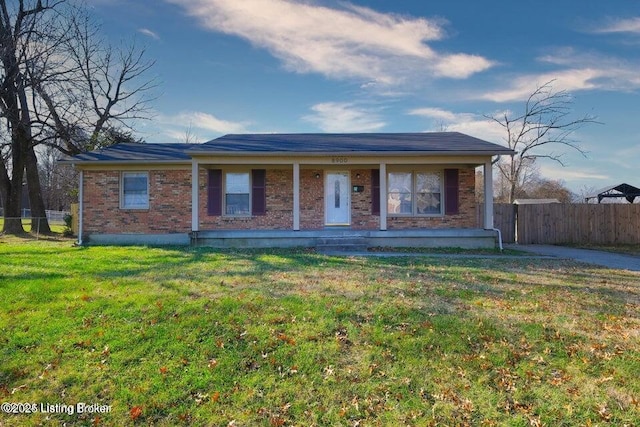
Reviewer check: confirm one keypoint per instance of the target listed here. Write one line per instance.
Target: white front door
(337, 198)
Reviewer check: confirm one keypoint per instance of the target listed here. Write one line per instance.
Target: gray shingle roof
(448, 143)
(441, 142)
(132, 152)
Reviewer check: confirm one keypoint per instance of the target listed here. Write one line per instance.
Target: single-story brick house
(252, 190)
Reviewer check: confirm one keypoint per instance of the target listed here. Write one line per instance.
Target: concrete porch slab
(423, 238)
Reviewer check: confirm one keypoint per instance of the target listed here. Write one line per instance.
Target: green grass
(175, 336)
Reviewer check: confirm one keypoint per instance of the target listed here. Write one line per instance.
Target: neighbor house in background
(259, 190)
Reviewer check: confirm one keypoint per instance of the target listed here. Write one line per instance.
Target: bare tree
(59, 182)
(190, 136)
(61, 85)
(545, 125)
(16, 29)
(542, 188)
(102, 88)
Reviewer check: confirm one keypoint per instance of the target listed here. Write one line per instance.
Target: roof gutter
(80, 162)
(343, 153)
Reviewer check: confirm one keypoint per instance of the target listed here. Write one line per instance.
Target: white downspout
(80, 206)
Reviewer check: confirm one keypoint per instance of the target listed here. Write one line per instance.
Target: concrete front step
(342, 244)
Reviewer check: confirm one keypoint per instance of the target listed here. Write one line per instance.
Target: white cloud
(579, 72)
(468, 123)
(345, 42)
(569, 174)
(344, 117)
(209, 122)
(624, 25)
(569, 80)
(198, 126)
(147, 32)
(434, 113)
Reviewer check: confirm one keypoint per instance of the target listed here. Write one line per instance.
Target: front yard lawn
(179, 336)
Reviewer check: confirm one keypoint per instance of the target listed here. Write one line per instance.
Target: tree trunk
(39, 220)
(12, 219)
(12, 197)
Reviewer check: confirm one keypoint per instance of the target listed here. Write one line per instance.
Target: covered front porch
(345, 201)
(411, 189)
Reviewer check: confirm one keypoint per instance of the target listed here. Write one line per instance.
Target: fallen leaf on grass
(285, 338)
(135, 412)
(23, 386)
(604, 413)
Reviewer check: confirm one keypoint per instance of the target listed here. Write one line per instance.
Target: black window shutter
(451, 192)
(214, 192)
(258, 192)
(375, 191)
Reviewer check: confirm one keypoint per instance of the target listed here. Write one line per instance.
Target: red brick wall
(361, 218)
(169, 204)
(311, 199)
(279, 206)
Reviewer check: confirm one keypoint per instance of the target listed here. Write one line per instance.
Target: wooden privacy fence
(504, 219)
(604, 224)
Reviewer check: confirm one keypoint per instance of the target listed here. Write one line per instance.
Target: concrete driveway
(603, 259)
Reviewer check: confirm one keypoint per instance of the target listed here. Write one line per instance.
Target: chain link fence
(33, 224)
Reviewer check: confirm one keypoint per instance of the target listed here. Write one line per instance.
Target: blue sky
(233, 66)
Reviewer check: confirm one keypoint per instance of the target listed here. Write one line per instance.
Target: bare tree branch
(545, 123)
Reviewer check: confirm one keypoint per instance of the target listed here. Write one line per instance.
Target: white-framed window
(415, 193)
(134, 190)
(237, 193)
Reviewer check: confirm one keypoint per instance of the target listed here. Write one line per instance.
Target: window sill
(415, 216)
(236, 217)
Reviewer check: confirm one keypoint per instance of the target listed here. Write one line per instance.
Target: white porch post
(488, 195)
(195, 222)
(296, 196)
(383, 196)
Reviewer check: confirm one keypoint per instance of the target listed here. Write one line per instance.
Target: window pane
(428, 183)
(428, 193)
(237, 183)
(237, 204)
(428, 203)
(135, 183)
(135, 190)
(399, 198)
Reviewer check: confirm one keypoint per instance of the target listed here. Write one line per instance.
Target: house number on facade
(339, 160)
